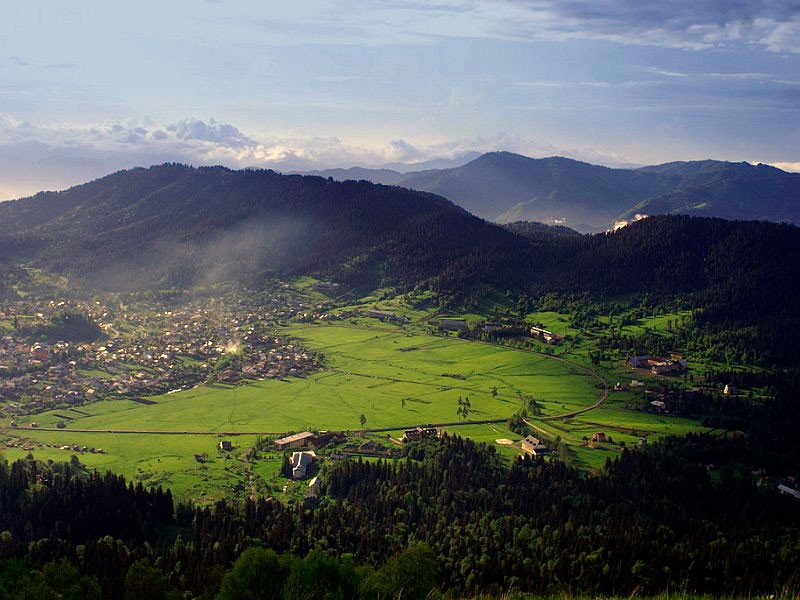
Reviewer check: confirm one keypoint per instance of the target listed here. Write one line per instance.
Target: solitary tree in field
(363, 420)
(463, 407)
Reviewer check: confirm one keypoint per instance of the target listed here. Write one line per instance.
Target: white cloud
(793, 167)
(55, 156)
(684, 24)
(220, 133)
(779, 36)
(688, 24)
(665, 72)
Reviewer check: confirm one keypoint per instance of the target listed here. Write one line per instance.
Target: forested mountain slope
(506, 187)
(177, 225)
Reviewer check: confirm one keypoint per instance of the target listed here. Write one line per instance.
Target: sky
(91, 87)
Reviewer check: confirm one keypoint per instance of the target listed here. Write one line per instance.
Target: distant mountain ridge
(177, 227)
(507, 187)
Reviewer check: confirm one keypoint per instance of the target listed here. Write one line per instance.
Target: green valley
(394, 375)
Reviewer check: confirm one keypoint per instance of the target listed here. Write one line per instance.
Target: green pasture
(166, 460)
(394, 375)
(619, 423)
(394, 379)
(654, 323)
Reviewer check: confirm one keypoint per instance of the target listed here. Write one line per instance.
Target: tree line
(451, 511)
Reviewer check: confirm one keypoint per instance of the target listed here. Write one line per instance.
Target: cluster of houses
(658, 365)
(386, 316)
(373, 313)
(370, 448)
(322, 315)
(162, 349)
(420, 433)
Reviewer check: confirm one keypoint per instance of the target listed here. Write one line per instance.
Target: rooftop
(294, 438)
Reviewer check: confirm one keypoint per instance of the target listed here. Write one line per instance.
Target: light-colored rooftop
(294, 438)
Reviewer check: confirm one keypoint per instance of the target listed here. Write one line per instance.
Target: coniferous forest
(400, 300)
(448, 517)
(688, 514)
(119, 233)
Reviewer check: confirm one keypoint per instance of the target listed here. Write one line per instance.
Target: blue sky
(90, 87)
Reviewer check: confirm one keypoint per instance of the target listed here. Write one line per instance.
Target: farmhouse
(546, 336)
(453, 324)
(225, 446)
(663, 367)
(384, 315)
(657, 364)
(534, 446)
(419, 433)
(298, 440)
(599, 436)
(638, 362)
(658, 405)
(300, 463)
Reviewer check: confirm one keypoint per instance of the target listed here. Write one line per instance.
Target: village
(144, 347)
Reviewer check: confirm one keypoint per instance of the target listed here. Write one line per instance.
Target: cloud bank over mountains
(337, 83)
(61, 155)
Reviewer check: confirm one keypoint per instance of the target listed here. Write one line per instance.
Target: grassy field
(394, 376)
(166, 460)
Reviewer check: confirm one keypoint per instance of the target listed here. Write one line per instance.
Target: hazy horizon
(90, 89)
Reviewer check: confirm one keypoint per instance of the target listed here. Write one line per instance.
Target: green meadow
(395, 379)
(395, 376)
(166, 460)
